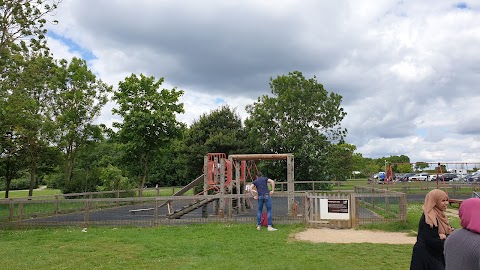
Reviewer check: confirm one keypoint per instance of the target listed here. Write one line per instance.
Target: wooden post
(290, 184)
(240, 201)
(20, 212)
(86, 213)
(11, 210)
(56, 204)
(155, 213)
(205, 184)
(222, 189)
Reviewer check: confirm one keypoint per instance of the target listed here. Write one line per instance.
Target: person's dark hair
(259, 173)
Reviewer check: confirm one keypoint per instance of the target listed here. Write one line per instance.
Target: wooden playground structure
(224, 175)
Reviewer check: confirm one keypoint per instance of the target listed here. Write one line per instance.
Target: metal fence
(379, 205)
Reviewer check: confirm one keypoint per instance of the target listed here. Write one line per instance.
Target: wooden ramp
(189, 208)
(182, 191)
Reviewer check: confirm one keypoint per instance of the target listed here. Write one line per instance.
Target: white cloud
(407, 70)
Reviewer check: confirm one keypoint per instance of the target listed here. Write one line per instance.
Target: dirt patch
(325, 235)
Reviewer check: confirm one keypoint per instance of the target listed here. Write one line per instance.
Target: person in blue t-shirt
(264, 198)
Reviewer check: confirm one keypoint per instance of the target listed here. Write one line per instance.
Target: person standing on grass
(264, 198)
(462, 247)
(433, 229)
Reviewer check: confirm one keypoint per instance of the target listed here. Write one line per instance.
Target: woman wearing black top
(433, 229)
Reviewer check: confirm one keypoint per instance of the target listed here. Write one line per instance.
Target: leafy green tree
(340, 161)
(20, 19)
(404, 168)
(149, 121)
(169, 167)
(22, 34)
(219, 131)
(11, 162)
(300, 118)
(78, 99)
(112, 179)
(419, 166)
(31, 115)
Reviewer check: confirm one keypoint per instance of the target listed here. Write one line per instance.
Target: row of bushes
(17, 184)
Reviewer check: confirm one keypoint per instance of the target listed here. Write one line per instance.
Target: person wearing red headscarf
(462, 247)
(433, 229)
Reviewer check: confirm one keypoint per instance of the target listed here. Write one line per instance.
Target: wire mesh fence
(144, 211)
(367, 205)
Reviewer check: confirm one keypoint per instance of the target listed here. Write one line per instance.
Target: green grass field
(206, 246)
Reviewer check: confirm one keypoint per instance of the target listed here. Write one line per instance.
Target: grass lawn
(205, 246)
(208, 246)
(36, 192)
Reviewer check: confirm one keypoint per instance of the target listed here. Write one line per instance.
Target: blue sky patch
(421, 132)
(73, 47)
(219, 101)
(461, 5)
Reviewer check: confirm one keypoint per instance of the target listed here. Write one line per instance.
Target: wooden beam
(259, 156)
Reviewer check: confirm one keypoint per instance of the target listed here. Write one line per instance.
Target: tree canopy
(300, 117)
(149, 120)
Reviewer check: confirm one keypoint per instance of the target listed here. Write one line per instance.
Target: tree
(219, 131)
(149, 121)
(301, 118)
(340, 161)
(419, 166)
(22, 34)
(31, 117)
(21, 19)
(403, 168)
(10, 162)
(78, 99)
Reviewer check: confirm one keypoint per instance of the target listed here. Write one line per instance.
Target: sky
(408, 71)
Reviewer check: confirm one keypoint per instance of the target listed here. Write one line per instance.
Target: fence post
(86, 214)
(373, 198)
(11, 208)
(20, 212)
(387, 202)
(56, 204)
(403, 207)
(155, 213)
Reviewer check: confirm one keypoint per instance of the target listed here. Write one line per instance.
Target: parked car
(475, 177)
(419, 177)
(406, 177)
(448, 177)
